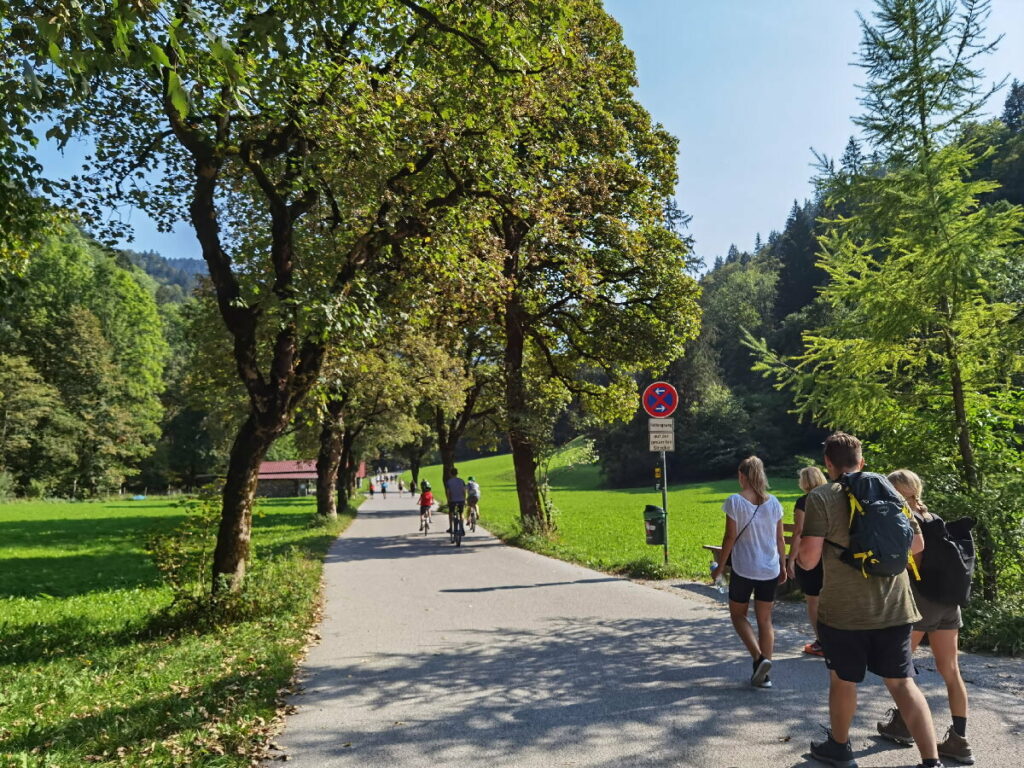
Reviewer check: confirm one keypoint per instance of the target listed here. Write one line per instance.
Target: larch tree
(922, 351)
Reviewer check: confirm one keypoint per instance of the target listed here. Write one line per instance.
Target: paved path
(490, 656)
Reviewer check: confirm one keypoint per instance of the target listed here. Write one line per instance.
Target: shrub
(6, 485)
(183, 554)
(994, 627)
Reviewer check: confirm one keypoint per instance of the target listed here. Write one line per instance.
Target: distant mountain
(192, 267)
(176, 278)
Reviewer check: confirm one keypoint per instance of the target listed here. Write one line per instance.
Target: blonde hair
(810, 478)
(909, 481)
(752, 468)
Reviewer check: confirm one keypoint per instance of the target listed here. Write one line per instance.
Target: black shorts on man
(851, 652)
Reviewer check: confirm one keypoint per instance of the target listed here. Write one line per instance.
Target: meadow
(98, 667)
(603, 528)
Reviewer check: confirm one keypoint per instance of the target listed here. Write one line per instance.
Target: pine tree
(1013, 109)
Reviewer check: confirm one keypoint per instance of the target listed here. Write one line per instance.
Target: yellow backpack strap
(911, 563)
(854, 506)
(863, 557)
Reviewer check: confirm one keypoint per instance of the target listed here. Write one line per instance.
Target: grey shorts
(936, 616)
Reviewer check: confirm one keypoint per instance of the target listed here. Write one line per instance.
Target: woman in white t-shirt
(753, 537)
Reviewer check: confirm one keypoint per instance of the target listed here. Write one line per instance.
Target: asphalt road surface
(486, 655)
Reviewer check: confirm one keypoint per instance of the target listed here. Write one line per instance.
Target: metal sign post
(660, 400)
(661, 439)
(664, 500)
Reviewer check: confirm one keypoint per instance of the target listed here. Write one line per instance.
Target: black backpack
(947, 563)
(880, 529)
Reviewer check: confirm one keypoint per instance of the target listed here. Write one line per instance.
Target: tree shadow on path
(592, 683)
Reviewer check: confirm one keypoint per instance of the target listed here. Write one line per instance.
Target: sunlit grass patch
(95, 668)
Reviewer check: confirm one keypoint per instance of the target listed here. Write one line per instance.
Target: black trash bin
(654, 524)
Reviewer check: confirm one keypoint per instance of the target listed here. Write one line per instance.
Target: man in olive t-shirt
(863, 623)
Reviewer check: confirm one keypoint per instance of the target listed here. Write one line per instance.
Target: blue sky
(748, 87)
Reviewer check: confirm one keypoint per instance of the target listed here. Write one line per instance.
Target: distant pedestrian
(809, 581)
(372, 489)
(940, 620)
(754, 542)
(864, 620)
(401, 485)
(384, 489)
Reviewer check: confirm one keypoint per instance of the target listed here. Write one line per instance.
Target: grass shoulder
(100, 666)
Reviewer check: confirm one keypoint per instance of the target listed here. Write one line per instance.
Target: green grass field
(93, 670)
(603, 528)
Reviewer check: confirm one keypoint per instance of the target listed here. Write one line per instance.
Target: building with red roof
(291, 478)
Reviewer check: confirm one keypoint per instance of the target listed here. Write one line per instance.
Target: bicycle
(425, 522)
(456, 530)
(473, 517)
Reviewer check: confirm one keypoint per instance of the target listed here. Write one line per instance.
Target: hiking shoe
(832, 752)
(761, 669)
(894, 729)
(955, 747)
(814, 649)
(767, 682)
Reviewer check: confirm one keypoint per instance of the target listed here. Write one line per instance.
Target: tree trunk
(446, 443)
(233, 537)
(524, 457)
(347, 475)
(414, 469)
(987, 549)
(328, 462)
(987, 561)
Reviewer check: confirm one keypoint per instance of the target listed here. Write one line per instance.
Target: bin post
(654, 524)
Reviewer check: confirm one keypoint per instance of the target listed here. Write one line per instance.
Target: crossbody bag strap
(744, 529)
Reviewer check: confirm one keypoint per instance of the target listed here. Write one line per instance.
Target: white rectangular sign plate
(661, 435)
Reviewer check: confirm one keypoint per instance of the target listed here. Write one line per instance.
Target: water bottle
(720, 581)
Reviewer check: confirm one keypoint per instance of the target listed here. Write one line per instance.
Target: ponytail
(752, 468)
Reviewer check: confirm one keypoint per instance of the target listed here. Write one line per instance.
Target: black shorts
(849, 652)
(425, 509)
(810, 581)
(456, 507)
(473, 501)
(740, 589)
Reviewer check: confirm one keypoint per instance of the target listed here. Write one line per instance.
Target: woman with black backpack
(940, 620)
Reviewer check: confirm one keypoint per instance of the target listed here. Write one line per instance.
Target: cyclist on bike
(456, 488)
(426, 502)
(473, 496)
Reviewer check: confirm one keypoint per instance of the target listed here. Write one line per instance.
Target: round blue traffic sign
(660, 399)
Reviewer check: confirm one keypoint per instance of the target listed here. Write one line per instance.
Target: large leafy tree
(595, 273)
(923, 349)
(309, 142)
